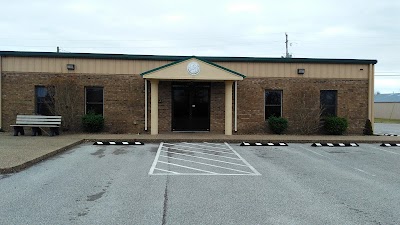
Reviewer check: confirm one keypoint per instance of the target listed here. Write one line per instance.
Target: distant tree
(64, 99)
(308, 113)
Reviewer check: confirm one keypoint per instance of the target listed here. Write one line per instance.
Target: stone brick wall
(124, 101)
(217, 107)
(123, 98)
(164, 106)
(300, 96)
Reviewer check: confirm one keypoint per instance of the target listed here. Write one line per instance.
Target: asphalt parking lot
(207, 183)
(387, 128)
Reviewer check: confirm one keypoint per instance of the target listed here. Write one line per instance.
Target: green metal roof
(175, 58)
(192, 57)
(395, 97)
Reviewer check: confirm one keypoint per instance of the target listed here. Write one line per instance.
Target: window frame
(265, 105)
(322, 106)
(46, 102)
(94, 103)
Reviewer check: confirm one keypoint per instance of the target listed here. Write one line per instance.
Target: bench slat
(32, 125)
(24, 120)
(38, 119)
(38, 122)
(38, 116)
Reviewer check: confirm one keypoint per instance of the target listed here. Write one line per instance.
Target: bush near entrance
(92, 122)
(368, 128)
(335, 125)
(278, 125)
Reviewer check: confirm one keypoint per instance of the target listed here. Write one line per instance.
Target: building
(387, 106)
(160, 94)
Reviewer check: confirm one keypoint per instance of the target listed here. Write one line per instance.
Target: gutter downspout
(145, 104)
(371, 94)
(1, 108)
(235, 106)
(372, 97)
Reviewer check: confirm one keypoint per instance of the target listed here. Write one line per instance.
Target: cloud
(244, 7)
(326, 29)
(387, 84)
(336, 31)
(82, 7)
(174, 18)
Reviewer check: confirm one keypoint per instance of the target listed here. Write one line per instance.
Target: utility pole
(287, 42)
(287, 47)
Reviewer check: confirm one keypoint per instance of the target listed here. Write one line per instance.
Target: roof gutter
(175, 58)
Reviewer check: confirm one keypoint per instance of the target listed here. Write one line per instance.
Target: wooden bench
(37, 122)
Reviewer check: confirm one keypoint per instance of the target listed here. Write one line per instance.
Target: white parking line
(204, 174)
(248, 164)
(396, 153)
(363, 171)
(187, 167)
(156, 158)
(216, 144)
(178, 152)
(208, 146)
(199, 157)
(166, 171)
(225, 152)
(354, 168)
(180, 149)
(207, 164)
(314, 152)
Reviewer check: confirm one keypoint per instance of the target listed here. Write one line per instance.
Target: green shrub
(278, 125)
(92, 122)
(335, 125)
(368, 128)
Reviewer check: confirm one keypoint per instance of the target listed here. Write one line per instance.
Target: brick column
(154, 107)
(228, 107)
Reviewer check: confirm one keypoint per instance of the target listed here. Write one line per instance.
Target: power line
(122, 40)
(181, 46)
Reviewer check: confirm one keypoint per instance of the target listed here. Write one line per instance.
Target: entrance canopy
(193, 68)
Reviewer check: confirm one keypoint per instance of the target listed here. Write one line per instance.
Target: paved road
(387, 128)
(298, 184)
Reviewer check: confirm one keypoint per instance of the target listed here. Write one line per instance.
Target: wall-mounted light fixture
(301, 71)
(70, 66)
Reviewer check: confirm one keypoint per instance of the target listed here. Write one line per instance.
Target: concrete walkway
(17, 153)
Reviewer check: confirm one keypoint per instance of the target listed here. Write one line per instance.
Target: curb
(233, 140)
(335, 144)
(118, 143)
(32, 162)
(39, 159)
(263, 144)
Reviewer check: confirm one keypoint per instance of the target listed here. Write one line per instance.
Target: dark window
(273, 104)
(328, 101)
(94, 100)
(44, 100)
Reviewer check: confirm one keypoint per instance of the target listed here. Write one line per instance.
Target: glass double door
(190, 106)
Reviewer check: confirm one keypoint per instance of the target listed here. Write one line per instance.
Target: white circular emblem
(193, 68)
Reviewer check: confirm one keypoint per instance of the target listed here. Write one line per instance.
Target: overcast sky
(360, 29)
